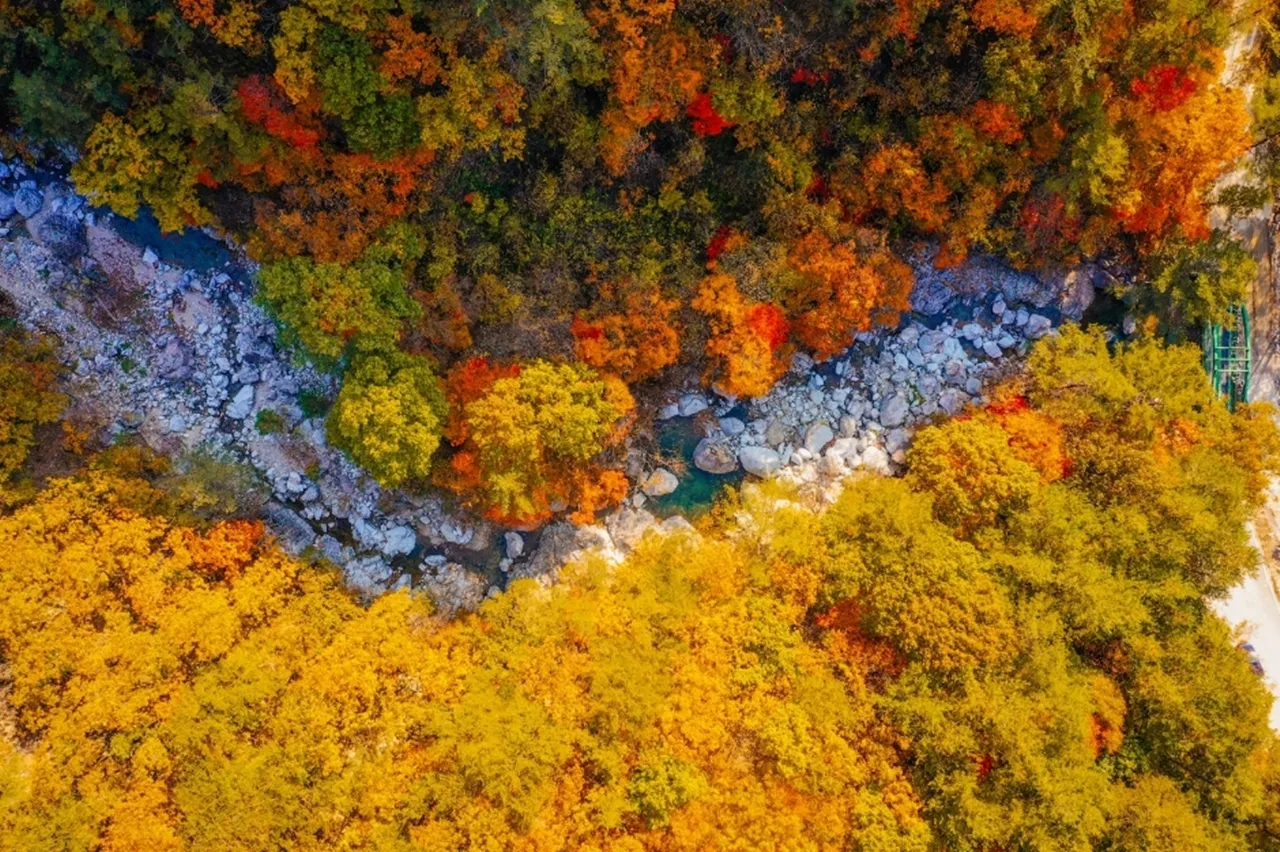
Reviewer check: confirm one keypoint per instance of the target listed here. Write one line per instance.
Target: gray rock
(932, 342)
(691, 404)
(292, 532)
(513, 542)
(844, 448)
(27, 202)
(399, 541)
(6, 205)
(876, 460)
(893, 411)
(848, 426)
(952, 401)
(732, 426)
(991, 349)
(667, 412)
(676, 524)
(931, 295)
(776, 433)
(760, 461)
(714, 456)
(660, 483)
(149, 256)
(455, 533)
(896, 439)
(561, 543)
(1020, 287)
(177, 424)
(1076, 288)
(369, 575)
(171, 362)
(64, 236)
(817, 436)
(241, 404)
(628, 525)
(330, 548)
(1038, 326)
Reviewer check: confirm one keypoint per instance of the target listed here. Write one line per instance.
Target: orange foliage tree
(840, 294)
(747, 343)
(635, 341)
(1186, 131)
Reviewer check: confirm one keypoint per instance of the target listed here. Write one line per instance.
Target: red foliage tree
(1163, 88)
(262, 102)
(706, 121)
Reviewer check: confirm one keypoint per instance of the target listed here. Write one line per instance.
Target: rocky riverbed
(184, 359)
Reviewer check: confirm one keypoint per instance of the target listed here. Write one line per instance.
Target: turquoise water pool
(676, 439)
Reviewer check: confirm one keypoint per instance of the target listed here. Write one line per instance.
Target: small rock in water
(6, 205)
(991, 349)
(27, 202)
(732, 426)
(691, 404)
(715, 457)
(667, 412)
(150, 257)
(514, 544)
(660, 483)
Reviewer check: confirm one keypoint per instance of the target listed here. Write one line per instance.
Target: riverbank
(180, 357)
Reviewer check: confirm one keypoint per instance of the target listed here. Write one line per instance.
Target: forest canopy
(641, 185)
(1010, 649)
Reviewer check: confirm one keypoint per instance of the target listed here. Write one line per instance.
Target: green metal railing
(1228, 356)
